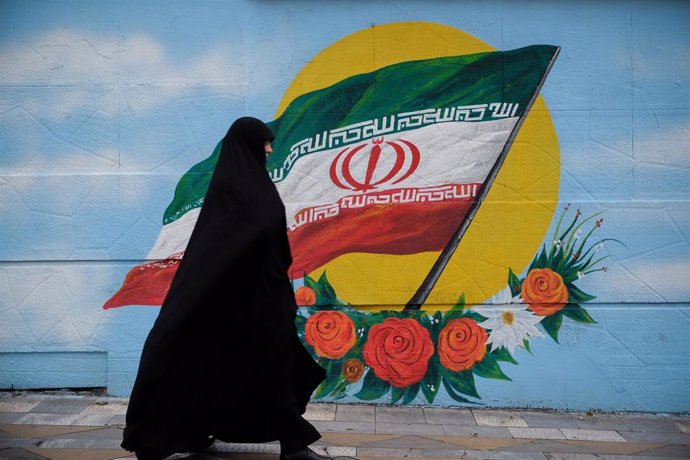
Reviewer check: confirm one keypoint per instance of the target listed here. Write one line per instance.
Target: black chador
(223, 358)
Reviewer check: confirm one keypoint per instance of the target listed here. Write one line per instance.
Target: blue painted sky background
(104, 105)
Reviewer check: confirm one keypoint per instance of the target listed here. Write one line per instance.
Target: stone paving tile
(320, 412)
(346, 427)
(60, 406)
(551, 445)
(113, 408)
(592, 435)
(93, 420)
(39, 431)
(479, 454)
(635, 457)
(355, 413)
(14, 405)
(602, 447)
(409, 428)
(98, 433)
(656, 436)
(536, 433)
(647, 423)
(17, 442)
(17, 453)
(479, 443)
(117, 420)
(79, 454)
(444, 416)
(378, 452)
(81, 444)
(400, 415)
(484, 431)
(683, 426)
(670, 451)
(410, 442)
(570, 456)
(48, 419)
(498, 418)
(549, 420)
(600, 422)
(353, 439)
(10, 417)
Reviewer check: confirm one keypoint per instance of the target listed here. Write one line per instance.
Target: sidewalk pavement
(76, 426)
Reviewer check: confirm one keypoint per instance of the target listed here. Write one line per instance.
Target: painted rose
(544, 291)
(461, 344)
(398, 351)
(331, 333)
(353, 369)
(305, 296)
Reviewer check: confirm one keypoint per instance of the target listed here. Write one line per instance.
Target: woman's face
(268, 148)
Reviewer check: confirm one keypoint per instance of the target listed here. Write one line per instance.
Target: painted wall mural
(398, 161)
(487, 203)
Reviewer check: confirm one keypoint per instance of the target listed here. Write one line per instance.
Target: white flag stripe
(174, 236)
(450, 153)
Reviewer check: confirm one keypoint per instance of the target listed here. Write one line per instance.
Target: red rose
(398, 351)
(461, 344)
(305, 296)
(331, 333)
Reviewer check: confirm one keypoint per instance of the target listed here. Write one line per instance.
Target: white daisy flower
(510, 323)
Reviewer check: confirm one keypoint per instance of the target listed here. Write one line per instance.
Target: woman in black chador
(223, 359)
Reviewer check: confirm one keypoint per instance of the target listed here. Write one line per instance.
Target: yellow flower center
(508, 318)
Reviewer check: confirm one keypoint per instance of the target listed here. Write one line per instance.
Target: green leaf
(396, 394)
(501, 354)
(575, 295)
(372, 387)
(432, 380)
(489, 368)
(300, 321)
(460, 304)
(525, 343)
(452, 393)
(577, 313)
(462, 382)
(333, 377)
(514, 283)
(411, 392)
(475, 316)
(326, 289)
(309, 281)
(552, 325)
(340, 390)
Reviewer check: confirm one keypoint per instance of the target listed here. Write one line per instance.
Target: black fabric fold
(223, 357)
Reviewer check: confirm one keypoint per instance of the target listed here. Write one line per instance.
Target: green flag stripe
(431, 84)
(191, 189)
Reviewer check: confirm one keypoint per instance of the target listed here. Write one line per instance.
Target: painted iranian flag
(389, 162)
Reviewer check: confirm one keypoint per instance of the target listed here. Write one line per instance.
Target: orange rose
(398, 351)
(331, 333)
(353, 369)
(305, 296)
(545, 292)
(461, 344)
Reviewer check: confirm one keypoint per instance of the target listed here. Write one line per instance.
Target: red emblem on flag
(388, 162)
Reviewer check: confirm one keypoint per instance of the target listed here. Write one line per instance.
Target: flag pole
(418, 299)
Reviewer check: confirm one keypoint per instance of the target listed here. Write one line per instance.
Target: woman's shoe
(306, 454)
(149, 454)
(203, 444)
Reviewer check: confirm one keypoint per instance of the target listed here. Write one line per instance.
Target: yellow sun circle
(511, 222)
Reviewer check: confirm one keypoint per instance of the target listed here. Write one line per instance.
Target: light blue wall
(103, 105)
